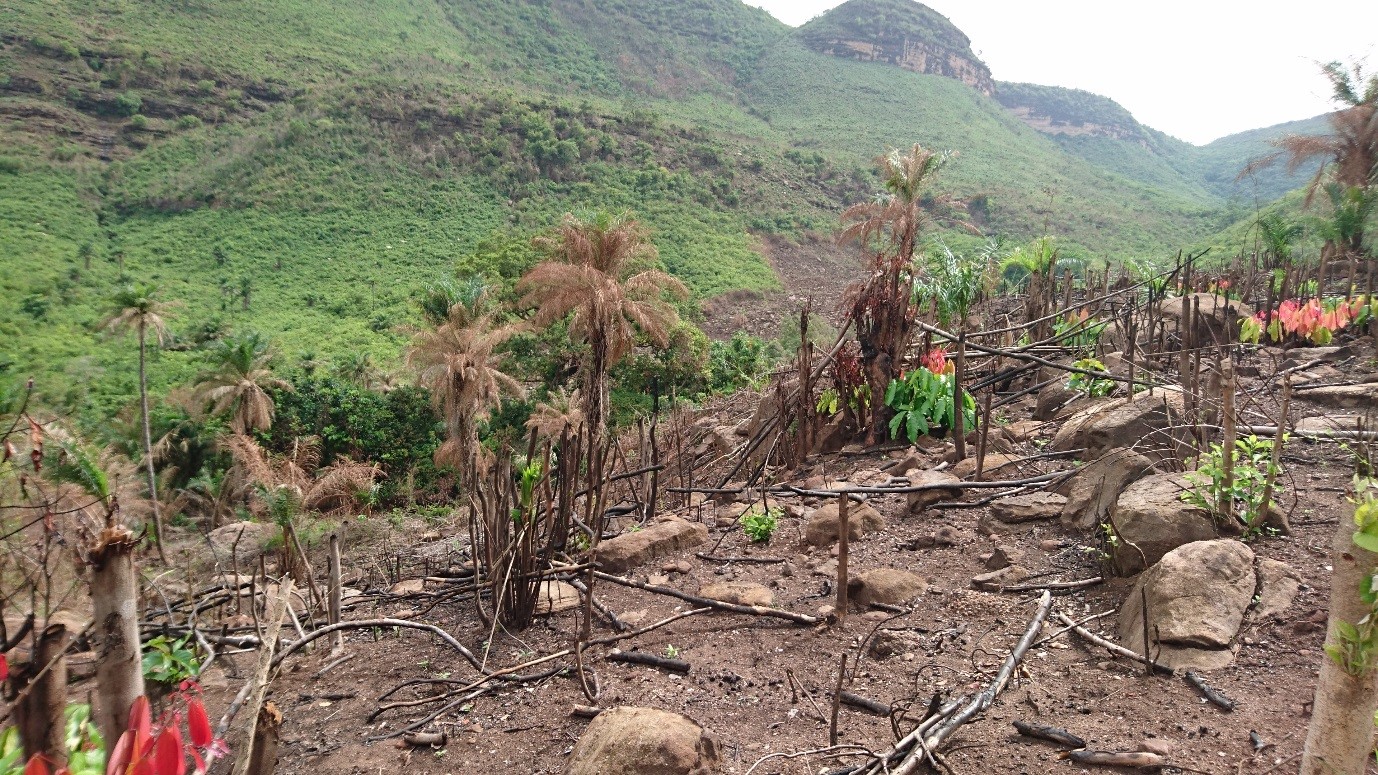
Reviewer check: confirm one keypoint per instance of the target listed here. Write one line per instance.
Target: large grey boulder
(643, 741)
(1151, 519)
(1150, 423)
(1217, 320)
(936, 480)
(822, 528)
(1196, 596)
(667, 535)
(1091, 492)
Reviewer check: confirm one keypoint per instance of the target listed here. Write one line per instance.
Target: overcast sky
(1196, 70)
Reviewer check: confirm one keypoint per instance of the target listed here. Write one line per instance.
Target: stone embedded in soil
(892, 643)
(994, 462)
(665, 536)
(886, 586)
(1196, 596)
(1217, 318)
(1278, 585)
(1363, 396)
(738, 593)
(1023, 430)
(1332, 422)
(1092, 490)
(835, 434)
(1151, 519)
(1057, 402)
(822, 527)
(408, 587)
(1150, 423)
(1028, 508)
(253, 539)
(918, 501)
(636, 741)
(1003, 557)
(1000, 578)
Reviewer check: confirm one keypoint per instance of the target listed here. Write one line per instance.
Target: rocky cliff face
(902, 33)
(1054, 110)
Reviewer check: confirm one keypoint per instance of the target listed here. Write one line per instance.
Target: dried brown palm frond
(561, 412)
(459, 363)
(595, 275)
(320, 488)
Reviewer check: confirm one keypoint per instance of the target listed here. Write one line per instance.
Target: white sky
(1196, 70)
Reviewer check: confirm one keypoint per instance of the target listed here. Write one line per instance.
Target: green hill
(304, 168)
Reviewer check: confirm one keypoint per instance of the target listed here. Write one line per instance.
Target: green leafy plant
(1356, 645)
(85, 746)
(759, 526)
(169, 662)
(671, 652)
(923, 403)
(1095, 387)
(1079, 332)
(1244, 495)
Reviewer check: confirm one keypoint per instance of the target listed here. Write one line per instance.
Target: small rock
(826, 569)
(408, 587)
(739, 593)
(787, 569)
(634, 617)
(1000, 578)
(1050, 544)
(922, 499)
(555, 596)
(824, 611)
(407, 613)
(886, 586)
(657, 579)
(631, 741)
(947, 535)
(994, 462)
(1156, 745)
(1028, 508)
(889, 643)
(1004, 557)
(1279, 585)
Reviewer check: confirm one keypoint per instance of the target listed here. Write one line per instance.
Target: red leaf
(198, 724)
(4, 668)
(140, 721)
(167, 752)
(36, 766)
(121, 754)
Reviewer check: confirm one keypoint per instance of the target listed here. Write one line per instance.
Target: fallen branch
(1051, 734)
(755, 560)
(922, 487)
(1209, 692)
(643, 658)
(754, 610)
(1113, 648)
(1134, 760)
(982, 701)
(1055, 586)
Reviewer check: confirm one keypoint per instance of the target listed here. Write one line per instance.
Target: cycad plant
(953, 284)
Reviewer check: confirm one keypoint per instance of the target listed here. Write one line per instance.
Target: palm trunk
(1340, 736)
(148, 443)
(115, 630)
(39, 714)
(958, 416)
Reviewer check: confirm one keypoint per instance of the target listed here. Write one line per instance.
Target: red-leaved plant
(145, 749)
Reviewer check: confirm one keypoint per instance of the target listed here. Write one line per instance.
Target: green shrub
(1095, 387)
(923, 402)
(129, 103)
(759, 525)
(189, 121)
(1252, 460)
(138, 121)
(10, 165)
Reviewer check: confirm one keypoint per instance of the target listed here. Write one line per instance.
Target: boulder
(1278, 586)
(1217, 320)
(1148, 423)
(892, 643)
(247, 541)
(995, 462)
(1363, 396)
(767, 408)
(643, 741)
(1334, 422)
(667, 535)
(1028, 508)
(918, 501)
(1024, 430)
(1003, 557)
(1092, 490)
(738, 593)
(1196, 596)
(822, 526)
(1151, 519)
(886, 586)
(1057, 401)
(998, 579)
(722, 439)
(835, 434)
(554, 597)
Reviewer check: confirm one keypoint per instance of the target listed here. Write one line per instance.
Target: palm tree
(591, 272)
(137, 309)
(888, 229)
(240, 383)
(457, 361)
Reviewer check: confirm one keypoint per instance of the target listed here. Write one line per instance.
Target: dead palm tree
(597, 273)
(888, 230)
(457, 361)
(240, 383)
(137, 309)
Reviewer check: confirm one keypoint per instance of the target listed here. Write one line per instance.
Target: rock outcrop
(1196, 596)
(667, 535)
(643, 741)
(1151, 519)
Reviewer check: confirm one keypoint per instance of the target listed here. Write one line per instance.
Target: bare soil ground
(815, 268)
(738, 686)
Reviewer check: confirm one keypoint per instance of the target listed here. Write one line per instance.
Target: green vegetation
(760, 525)
(923, 404)
(1245, 488)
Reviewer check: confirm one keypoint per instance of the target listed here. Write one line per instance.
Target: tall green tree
(238, 384)
(600, 273)
(137, 309)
